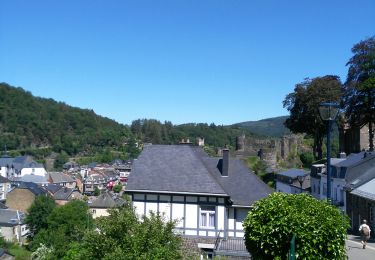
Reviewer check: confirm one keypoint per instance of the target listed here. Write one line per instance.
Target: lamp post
(328, 112)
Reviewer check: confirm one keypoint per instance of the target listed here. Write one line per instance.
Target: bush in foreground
(320, 228)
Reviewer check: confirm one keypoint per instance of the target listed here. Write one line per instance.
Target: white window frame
(207, 217)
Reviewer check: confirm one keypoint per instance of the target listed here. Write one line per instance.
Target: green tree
(123, 236)
(359, 97)
(60, 160)
(38, 213)
(66, 225)
(303, 106)
(117, 188)
(320, 228)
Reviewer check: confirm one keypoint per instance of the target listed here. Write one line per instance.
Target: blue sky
(181, 60)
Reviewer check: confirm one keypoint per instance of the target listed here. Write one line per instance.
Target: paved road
(355, 250)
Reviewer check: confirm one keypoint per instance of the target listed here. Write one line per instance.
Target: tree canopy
(320, 228)
(303, 106)
(123, 236)
(38, 213)
(359, 88)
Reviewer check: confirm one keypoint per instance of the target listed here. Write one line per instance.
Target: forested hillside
(32, 122)
(39, 126)
(273, 127)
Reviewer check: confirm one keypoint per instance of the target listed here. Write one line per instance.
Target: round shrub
(320, 228)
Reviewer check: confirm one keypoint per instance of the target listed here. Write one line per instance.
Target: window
(207, 216)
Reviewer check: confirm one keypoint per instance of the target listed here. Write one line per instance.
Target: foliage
(60, 160)
(43, 253)
(307, 159)
(14, 249)
(153, 131)
(96, 191)
(273, 127)
(66, 224)
(303, 106)
(27, 121)
(359, 97)
(320, 228)
(123, 236)
(38, 213)
(117, 188)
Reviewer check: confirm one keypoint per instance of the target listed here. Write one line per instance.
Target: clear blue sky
(179, 60)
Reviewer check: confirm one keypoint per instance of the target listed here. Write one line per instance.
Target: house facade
(99, 206)
(20, 166)
(12, 226)
(208, 196)
(293, 181)
(22, 195)
(4, 188)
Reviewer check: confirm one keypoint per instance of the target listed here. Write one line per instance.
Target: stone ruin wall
(272, 149)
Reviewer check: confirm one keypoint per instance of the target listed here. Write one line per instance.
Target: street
(356, 252)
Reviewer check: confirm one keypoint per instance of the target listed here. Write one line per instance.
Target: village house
(22, 195)
(20, 166)
(293, 181)
(12, 226)
(4, 188)
(360, 192)
(62, 179)
(342, 171)
(99, 206)
(209, 196)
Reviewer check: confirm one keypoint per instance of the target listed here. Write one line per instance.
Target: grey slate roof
(10, 217)
(52, 188)
(366, 190)
(63, 193)
(33, 187)
(172, 168)
(293, 173)
(59, 177)
(2, 206)
(361, 171)
(19, 162)
(183, 168)
(31, 178)
(106, 200)
(4, 180)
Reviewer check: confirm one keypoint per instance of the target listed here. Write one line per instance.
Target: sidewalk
(355, 238)
(355, 251)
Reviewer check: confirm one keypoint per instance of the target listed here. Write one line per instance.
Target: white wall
(283, 187)
(34, 171)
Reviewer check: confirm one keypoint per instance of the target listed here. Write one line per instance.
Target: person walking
(365, 233)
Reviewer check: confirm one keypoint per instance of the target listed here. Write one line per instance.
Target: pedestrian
(365, 233)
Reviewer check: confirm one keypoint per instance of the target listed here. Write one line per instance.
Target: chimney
(225, 163)
(342, 155)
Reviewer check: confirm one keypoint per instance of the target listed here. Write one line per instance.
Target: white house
(342, 171)
(4, 188)
(293, 181)
(20, 166)
(210, 197)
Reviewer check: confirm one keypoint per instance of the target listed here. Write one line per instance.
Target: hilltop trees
(320, 228)
(359, 97)
(303, 107)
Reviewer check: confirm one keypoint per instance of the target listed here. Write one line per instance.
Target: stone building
(354, 140)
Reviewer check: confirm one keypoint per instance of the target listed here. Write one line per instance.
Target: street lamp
(328, 112)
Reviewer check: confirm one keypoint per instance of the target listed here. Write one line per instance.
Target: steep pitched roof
(106, 200)
(10, 217)
(33, 187)
(172, 168)
(31, 178)
(188, 169)
(63, 193)
(293, 173)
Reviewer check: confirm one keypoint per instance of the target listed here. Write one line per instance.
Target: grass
(19, 252)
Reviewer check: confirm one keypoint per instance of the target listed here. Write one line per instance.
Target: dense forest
(39, 126)
(32, 122)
